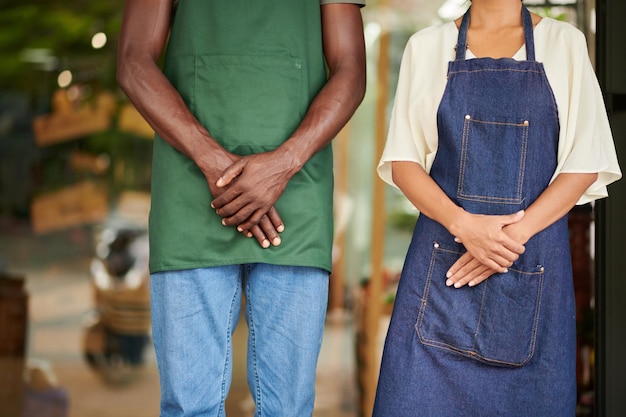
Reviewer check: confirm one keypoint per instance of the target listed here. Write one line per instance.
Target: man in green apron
(245, 107)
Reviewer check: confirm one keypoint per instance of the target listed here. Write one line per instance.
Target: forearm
(425, 194)
(144, 32)
(162, 107)
(556, 201)
(336, 102)
(328, 113)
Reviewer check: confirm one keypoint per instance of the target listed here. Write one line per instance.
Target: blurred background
(74, 197)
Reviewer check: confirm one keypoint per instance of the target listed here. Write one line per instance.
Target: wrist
(518, 232)
(291, 158)
(455, 220)
(213, 161)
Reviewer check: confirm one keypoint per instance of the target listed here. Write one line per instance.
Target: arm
(262, 178)
(143, 36)
(558, 199)
(142, 39)
(482, 235)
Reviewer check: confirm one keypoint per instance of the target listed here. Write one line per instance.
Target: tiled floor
(56, 267)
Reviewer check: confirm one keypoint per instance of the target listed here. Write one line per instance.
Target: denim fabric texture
(195, 313)
(505, 347)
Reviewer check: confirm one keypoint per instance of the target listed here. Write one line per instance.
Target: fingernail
(504, 271)
(449, 283)
(457, 285)
(448, 274)
(276, 241)
(471, 284)
(239, 229)
(265, 244)
(219, 182)
(280, 228)
(249, 234)
(212, 206)
(223, 222)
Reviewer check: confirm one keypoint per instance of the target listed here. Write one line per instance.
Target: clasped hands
(246, 191)
(245, 194)
(493, 243)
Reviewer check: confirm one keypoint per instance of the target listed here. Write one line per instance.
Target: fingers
(472, 272)
(238, 212)
(515, 248)
(264, 227)
(504, 254)
(269, 230)
(223, 200)
(512, 218)
(509, 243)
(498, 261)
(276, 220)
(501, 262)
(460, 264)
(258, 233)
(264, 232)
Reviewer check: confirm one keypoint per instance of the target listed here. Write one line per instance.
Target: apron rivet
(526, 123)
(436, 245)
(467, 117)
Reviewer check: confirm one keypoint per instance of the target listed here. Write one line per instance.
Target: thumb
(512, 218)
(230, 173)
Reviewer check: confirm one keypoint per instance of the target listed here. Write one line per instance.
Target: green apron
(248, 72)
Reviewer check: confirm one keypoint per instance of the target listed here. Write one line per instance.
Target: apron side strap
(528, 34)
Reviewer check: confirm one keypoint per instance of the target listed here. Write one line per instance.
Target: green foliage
(60, 33)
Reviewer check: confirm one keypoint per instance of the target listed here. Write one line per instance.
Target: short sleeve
(412, 134)
(585, 141)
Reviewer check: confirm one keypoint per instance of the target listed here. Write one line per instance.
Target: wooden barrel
(13, 329)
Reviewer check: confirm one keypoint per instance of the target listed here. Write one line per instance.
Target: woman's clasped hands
(493, 243)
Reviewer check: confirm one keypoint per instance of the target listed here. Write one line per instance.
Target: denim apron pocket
(494, 322)
(493, 160)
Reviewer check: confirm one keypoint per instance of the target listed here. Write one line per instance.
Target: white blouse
(585, 139)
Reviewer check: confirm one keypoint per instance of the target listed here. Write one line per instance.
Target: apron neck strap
(527, 22)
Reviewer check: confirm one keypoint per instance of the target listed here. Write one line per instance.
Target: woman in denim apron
(502, 346)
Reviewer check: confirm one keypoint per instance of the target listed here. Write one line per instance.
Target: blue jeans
(194, 314)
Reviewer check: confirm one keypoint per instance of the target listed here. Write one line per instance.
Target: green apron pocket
(249, 101)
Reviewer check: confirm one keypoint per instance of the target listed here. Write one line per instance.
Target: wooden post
(336, 299)
(374, 297)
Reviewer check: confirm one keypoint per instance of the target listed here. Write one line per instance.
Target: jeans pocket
(494, 322)
(492, 160)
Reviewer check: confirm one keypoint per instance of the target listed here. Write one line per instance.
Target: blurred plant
(48, 36)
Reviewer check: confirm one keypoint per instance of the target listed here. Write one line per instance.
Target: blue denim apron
(505, 347)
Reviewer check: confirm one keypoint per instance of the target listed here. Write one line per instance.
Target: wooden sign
(75, 205)
(67, 123)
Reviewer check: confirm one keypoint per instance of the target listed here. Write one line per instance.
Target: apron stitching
(522, 173)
